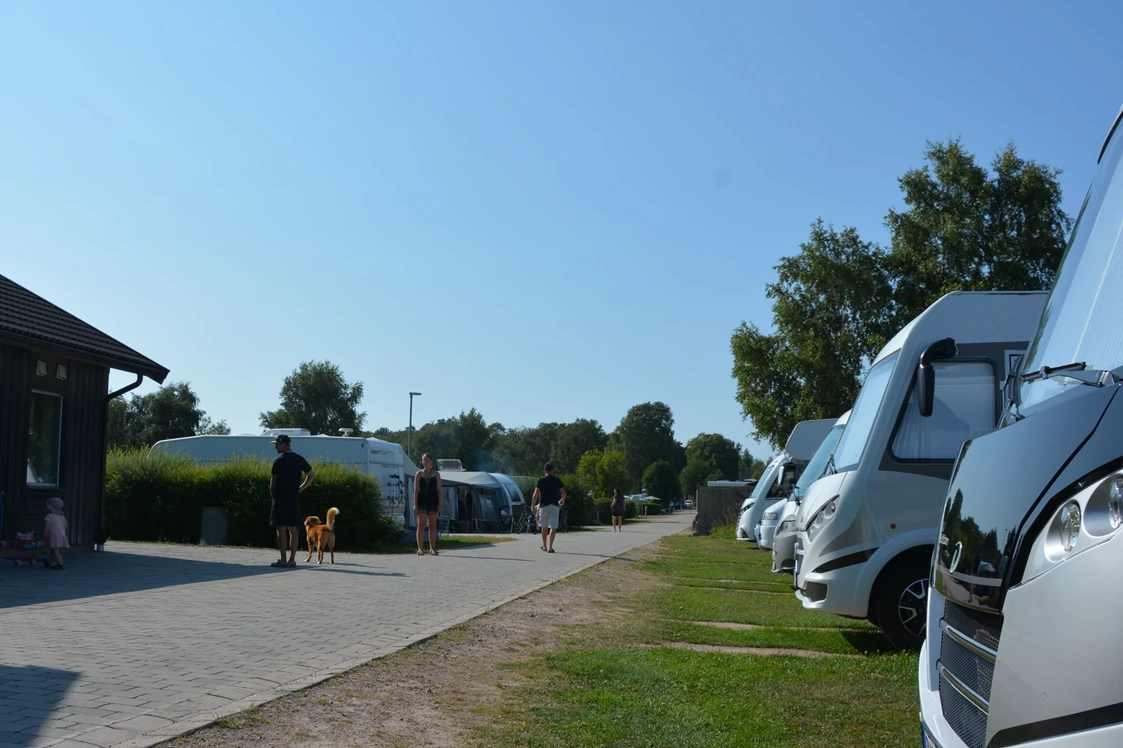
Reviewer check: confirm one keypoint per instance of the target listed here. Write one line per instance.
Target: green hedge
(604, 510)
(161, 498)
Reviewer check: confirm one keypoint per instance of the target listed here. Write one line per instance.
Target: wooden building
(54, 413)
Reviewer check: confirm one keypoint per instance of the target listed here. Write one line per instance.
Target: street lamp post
(409, 436)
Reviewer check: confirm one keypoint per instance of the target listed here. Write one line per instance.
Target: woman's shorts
(548, 515)
(423, 509)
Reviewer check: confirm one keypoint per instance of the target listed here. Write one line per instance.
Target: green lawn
(627, 690)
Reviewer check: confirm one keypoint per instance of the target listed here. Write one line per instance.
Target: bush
(579, 508)
(160, 498)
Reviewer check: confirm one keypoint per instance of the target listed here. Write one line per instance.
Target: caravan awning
(469, 478)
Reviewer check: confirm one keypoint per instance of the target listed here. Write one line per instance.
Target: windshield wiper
(1078, 371)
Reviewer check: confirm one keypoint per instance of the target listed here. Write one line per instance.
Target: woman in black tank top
(427, 503)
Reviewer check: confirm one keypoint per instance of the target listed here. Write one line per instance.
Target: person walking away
(56, 532)
(549, 497)
(427, 503)
(285, 487)
(617, 508)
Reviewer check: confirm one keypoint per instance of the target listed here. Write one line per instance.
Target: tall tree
(661, 481)
(838, 300)
(721, 454)
(170, 412)
(831, 312)
(697, 473)
(645, 435)
(603, 471)
(969, 230)
(474, 436)
(317, 397)
(575, 439)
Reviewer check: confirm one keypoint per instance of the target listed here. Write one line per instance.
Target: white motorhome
(380, 459)
(781, 474)
(1022, 645)
(783, 543)
(867, 529)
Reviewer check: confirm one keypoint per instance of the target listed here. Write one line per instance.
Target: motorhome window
(765, 483)
(963, 408)
(44, 439)
(862, 417)
(1082, 316)
(818, 464)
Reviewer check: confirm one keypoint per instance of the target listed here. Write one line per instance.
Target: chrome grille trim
(982, 704)
(968, 643)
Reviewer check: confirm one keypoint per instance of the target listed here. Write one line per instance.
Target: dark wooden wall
(82, 455)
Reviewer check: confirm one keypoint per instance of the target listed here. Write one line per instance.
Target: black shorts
(285, 513)
(426, 508)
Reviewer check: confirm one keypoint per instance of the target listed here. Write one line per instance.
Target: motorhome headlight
(771, 516)
(1092, 515)
(1068, 527)
(787, 525)
(1115, 503)
(821, 518)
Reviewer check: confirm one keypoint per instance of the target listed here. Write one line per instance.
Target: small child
(56, 531)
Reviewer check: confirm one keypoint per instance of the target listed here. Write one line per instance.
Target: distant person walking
(617, 508)
(549, 497)
(427, 503)
(285, 486)
(55, 531)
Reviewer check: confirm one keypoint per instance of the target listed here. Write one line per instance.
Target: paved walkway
(144, 642)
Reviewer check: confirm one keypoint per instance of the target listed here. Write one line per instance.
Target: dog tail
(331, 518)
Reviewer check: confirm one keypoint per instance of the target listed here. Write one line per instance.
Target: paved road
(129, 647)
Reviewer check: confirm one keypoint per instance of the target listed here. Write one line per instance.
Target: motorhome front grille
(968, 667)
(985, 628)
(972, 671)
(969, 723)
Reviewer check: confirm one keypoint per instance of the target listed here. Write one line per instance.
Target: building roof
(27, 318)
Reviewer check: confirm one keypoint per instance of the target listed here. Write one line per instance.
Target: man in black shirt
(285, 486)
(549, 496)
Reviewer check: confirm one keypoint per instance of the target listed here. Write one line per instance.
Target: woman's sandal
(434, 552)
(420, 552)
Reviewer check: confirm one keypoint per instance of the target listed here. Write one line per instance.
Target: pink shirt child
(55, 528)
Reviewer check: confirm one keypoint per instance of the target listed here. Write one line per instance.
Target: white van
(1024, 614)
(783, 544)
(380, 459)
(868, 527)
(781, 474)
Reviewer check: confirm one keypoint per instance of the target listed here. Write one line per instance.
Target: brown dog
(321, 535)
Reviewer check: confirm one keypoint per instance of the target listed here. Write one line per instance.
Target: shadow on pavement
(30, 695)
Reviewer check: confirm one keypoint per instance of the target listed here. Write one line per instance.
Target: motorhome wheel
(901, 607)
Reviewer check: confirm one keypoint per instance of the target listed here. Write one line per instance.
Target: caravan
(379, 459)
(781, 474)
(868, 527)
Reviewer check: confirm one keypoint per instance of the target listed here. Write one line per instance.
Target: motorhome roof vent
(290, 432)
(449, 465)
(346, 432)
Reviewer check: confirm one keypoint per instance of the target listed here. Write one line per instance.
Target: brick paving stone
(165, 638)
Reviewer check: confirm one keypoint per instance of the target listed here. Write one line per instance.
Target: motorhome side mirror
(926, 374)
(925, 388)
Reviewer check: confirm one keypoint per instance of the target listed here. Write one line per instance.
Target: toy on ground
(26, 547)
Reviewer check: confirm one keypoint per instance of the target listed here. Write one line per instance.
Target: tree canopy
(837, 301)
(318, 398)
(170, 412)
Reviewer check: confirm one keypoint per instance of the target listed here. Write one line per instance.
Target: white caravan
(781, 474)
(783, 543)
(1022, 645)
(868, 527)
(380, 459)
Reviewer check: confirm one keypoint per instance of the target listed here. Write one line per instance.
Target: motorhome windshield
(765, 482)
(818, 464)
(1081, 318)
(857, 433)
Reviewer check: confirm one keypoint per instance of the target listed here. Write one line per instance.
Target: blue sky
(543, 210)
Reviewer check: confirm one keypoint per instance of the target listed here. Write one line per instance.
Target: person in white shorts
(549, 497)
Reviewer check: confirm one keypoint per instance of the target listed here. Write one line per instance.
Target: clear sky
(545, 210)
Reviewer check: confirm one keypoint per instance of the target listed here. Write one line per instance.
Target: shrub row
(604, 510)
(161, 498)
